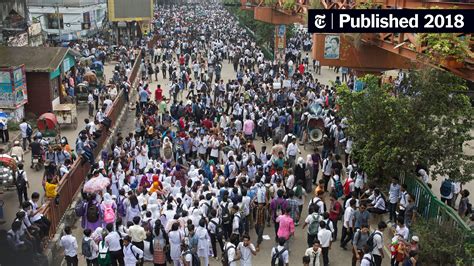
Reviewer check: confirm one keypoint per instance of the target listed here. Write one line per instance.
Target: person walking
(133, 256)
(246, 250)
(348, 225)
(325, 239)
(69, 243)
(358, 243)
(112, 240)
(378, 252)
(26, 132)
(90, 249)
(314, 253)
(22, 184)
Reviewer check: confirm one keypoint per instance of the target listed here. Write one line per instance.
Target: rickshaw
(98, 68)
(82, 92)
(7, 172)
(49, 128)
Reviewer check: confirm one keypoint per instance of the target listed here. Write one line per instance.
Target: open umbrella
(90, 77)
(96, 184)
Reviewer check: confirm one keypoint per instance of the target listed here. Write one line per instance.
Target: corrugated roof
(36, 59)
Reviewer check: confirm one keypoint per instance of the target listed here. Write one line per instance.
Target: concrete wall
(7, 5)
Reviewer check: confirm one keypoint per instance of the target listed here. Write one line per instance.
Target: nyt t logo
(320, 21)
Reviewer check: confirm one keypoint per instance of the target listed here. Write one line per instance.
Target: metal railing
(430, 207)
(70, 184)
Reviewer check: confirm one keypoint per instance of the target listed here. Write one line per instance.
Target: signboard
(128, 10)
(13, 92)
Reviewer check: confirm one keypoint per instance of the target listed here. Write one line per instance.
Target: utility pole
(59, 22)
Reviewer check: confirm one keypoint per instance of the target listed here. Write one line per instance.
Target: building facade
(70, 19)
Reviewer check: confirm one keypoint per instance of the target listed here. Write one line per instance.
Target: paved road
(337, 255)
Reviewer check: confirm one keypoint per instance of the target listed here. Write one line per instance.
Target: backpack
(314, 225)
(29, 130)
(227, 170)
(79, 209)
(20, 180)
(109, 214)
(225, 214)
(86, 248)
(347, 187)
(104, 254)
(92, 213)
(446, 188)
(225, 256)
(277, 258)
(338, 187)
(218, 227)
(315, 205)
(195, 260)
(121, 208)
(371, 242)
(299, 192)
(371, 260)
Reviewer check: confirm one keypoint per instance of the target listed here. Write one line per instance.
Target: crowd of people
(215, 162)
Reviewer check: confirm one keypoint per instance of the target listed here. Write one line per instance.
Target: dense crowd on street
(215, 162)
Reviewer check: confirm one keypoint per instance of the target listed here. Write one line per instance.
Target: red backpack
(347, 186)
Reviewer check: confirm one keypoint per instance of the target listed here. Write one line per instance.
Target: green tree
(427, 122)
(442, 244)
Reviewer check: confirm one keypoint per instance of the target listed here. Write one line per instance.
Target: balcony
(64, 3)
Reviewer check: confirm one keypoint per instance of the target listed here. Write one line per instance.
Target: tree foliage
(442, 244)
(426, 119)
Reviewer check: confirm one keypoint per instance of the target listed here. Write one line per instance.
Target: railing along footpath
(430, 207)
(70, 184)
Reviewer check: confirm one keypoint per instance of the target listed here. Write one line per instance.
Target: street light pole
(59, 22)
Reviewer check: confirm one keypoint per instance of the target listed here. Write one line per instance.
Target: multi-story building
(13, 22)
(70, 19)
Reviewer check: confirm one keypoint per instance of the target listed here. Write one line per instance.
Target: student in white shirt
(367, 259)
(314, 253)
(132, 255)
(93, 248)
(378, 252)
(112, 240)
(231, 250)
(325, 239)
(348, 225)
(69, 243)
(280, 249)
(246, 250)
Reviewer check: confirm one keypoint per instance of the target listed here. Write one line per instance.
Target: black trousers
(72, 261)
(377, 260)
(216, 238)
(92, 262)
(22, 194)
(117, 258)
(325, 252)
(346, 236)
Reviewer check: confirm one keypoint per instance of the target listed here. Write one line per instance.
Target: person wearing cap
(17, 151)
(132, 255)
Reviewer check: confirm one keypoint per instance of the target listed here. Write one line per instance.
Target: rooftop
(36, 59)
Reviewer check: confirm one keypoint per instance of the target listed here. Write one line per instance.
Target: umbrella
(90, 77)
(3, 115)
(96, 184)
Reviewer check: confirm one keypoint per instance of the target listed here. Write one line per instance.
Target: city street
(298, 245)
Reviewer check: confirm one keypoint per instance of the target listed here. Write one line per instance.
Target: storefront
(45, 68)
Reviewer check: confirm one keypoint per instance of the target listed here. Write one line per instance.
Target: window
(53, 20)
